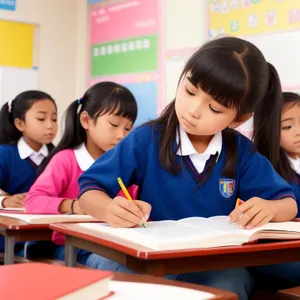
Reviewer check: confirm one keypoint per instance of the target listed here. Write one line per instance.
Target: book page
(150, 291)
(161, 235)
(46, 219)
(218, 224)
(281, 226)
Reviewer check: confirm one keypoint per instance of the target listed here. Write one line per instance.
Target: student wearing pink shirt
(94, 124)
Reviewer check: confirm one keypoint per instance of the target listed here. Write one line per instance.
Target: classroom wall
(58, 47)
(182, 30)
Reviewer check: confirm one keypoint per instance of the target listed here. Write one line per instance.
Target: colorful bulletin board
(19, 58)
(126, 43)
(272, 25)
(252, 17)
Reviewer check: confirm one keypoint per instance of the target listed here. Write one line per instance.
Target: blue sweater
(16, 175)
(295, 183)
(173, 197)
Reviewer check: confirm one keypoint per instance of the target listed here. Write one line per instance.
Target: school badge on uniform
(226, 187)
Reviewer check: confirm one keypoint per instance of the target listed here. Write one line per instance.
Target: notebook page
(161, 235)
(45, 219)
(218, 224)
(148, 291)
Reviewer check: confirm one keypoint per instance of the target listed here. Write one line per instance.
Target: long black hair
(99, 99)
(235, 73)
(283, 166)
(16, 109)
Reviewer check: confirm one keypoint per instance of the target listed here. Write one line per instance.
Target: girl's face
(290, 130)
(198, 113)
(108, 130)
(40, 124)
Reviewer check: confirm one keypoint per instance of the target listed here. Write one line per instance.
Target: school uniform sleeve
(128, 160)
(258, 177)
(44, 195)
(4, 158)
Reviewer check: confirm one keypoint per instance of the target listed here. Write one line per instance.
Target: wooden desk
(161, 263)
(15, 230)
(16, 276)
(289, 294)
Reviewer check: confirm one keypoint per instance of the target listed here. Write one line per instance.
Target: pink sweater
(59, 181)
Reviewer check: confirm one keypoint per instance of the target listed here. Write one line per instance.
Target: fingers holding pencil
(123, 213)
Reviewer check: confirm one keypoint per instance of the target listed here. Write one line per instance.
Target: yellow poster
(252, 17)
(16, 44)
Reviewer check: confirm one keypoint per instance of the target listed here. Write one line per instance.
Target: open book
(47, 219)
(196, 232)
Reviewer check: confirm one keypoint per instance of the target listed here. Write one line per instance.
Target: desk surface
(15, 224)
(149, 254)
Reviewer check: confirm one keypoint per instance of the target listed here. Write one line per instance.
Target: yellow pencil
(126, 194)
(238, 202)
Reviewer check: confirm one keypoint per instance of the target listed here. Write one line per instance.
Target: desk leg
(70, 254)
(9, 243)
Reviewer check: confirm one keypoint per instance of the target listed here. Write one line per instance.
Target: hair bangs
(220, 76)
(120, 104)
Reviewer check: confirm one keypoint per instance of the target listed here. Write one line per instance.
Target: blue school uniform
(284, 275)
(136, 161)
(295, 182)
(18, 164)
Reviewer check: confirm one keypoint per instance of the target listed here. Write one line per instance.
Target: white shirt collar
(295, 164)
(187, 148)
(83, 157)
(26, 151)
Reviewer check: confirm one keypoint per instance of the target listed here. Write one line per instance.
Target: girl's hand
(253, 213)
(16, 200)
(123, 213)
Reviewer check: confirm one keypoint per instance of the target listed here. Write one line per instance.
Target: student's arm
(99, 185)
(267, 196)
(44, 196)
(3, 172)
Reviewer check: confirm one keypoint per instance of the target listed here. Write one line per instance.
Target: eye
(190, 93)
(214, 110)
(286, 127)
(41, 120)
(127, 129)
(114, 125)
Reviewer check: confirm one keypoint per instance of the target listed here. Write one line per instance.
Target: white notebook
(47, 219)
(196, 233)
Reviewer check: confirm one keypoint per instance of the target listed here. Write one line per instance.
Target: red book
(37, 281)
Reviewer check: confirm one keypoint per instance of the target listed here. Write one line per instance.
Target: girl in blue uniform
(287, 163)
(188, 162)
(28, 124)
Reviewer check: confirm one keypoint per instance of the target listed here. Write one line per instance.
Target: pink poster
(124, 20)
(112, 27)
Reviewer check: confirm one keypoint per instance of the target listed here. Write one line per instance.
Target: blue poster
(8, 4)
(146, 97)
(93, 1)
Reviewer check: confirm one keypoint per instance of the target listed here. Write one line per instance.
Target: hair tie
(9, 105)
(80, 100)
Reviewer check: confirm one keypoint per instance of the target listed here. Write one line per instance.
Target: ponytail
(9, 134)
(267, 122)
(101, 98)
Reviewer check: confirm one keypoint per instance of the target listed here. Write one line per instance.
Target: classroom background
(62, 47)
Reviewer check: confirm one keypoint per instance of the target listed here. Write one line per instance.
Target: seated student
(282, 151)
(28, 124)
(188, 162)
(94, 124)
